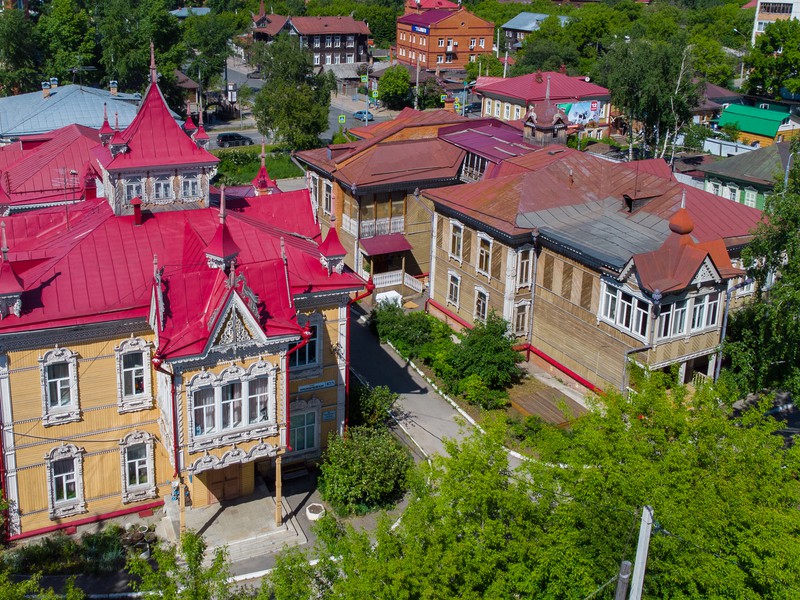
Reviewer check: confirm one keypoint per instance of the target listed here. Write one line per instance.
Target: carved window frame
(59, 509)
(302, 407)
(60, 414)
(186, 180)
(136, 493)
(141, 401)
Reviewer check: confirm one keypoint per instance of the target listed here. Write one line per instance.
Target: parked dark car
(472, 107)
(225, 140)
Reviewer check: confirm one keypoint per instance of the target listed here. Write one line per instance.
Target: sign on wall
(583, 112)
(320, 385)
(419, 29)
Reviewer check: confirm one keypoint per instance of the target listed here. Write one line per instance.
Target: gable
(707, 272)
(234, 325)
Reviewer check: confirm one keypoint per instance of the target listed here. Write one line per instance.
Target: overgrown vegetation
(478, 364)
(239, 166)
(93, 553)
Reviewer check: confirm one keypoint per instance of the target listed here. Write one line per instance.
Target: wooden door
(224, 484)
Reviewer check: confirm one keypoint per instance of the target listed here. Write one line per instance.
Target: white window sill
(61, 416)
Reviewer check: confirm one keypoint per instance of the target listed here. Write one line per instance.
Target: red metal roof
(412, 5)
(427, 18)
(331, 245)
(270, 24)
(154, 139)
(329, 25)
(385, 244)
(532, 87)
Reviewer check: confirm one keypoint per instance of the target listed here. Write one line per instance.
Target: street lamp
(744, 51)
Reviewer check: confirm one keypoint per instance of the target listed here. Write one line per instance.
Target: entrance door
(224, 484)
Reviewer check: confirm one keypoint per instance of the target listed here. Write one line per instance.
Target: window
(162, 187)
(488, 106)
(235, 405)
(524, 268)
(482, 43)
(750, 198)
(517, 113)
(137, 463)
(328, 59)
(133, 189)
(704, 311)
(134, 388)
(484, 254)
(337, 41)
(453, 288)
(471, 43)
(449, 58)
(351, 41)
(337, 59)
(316, 41)
(716, 189)
(307, 356)
(439, 58)
(776, 8)
(472, 58)
(441, 42)
(625, 311)
(733, 193)
(303, 431)
(423, 41)
(497, 109)
(672, 321)
(64, 466)
(521, 318)
(351, 58)
(507, 111)
(481, 304)
(316, 59)
(59, 384)
(190, 186)
(456, 239)
(328, 40)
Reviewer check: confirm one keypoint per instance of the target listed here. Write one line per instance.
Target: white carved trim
(74, 506)
(314, 405)
(9, 450)
(234, 327)
(60, 414)
(136, 493)
(707, 272)
(141, 401)
(234, 456)
(314, 369)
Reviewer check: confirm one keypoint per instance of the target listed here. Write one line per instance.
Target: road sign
(443, 97)
(364, 79)
(342, 119)
(456, 106)
(374, 93)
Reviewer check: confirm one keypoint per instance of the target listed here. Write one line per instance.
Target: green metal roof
(749, 119)
(759, 167)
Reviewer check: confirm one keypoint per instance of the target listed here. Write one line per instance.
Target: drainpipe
(625, 365)
(305, 337)
(369, 289)
(535, 238)
(157, 365)
(4, 533)
(728, 293)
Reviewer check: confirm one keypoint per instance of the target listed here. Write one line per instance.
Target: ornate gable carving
(706, 273)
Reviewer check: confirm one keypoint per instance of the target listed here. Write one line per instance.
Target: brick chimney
(53, 82)
(449, 105)
(45, 89)
(112, 86)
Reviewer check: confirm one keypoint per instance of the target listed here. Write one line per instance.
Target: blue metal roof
(526, 21)
(30, 114)
(184, 12)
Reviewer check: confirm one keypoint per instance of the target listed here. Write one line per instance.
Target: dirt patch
(532, 397)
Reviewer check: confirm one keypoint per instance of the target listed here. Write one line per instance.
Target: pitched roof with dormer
(533, 87)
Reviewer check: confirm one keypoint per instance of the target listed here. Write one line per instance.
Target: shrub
(365, 470)
(372, 405)
(408, 332)
(487, 351)
(475, 391)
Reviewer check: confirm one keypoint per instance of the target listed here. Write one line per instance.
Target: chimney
(54, 82)
(112, 86)
(136, 203)
(45, 89)
(449, 105)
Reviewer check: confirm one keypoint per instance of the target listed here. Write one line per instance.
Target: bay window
(624, 311)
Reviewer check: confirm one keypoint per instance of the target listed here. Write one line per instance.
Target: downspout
(728, 293)
(369, 289)
(157, 364)
(535, 239)
(5, 530)
(305, 337)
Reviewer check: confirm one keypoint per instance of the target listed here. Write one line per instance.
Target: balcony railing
(349, 225)
(382, 227)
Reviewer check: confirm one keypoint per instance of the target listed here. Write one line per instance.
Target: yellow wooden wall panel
(248, 478)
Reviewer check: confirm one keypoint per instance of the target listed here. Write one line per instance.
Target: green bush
(239, 166)
(363, 471)
(372, 405)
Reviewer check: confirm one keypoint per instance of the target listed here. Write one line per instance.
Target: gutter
(369, 289)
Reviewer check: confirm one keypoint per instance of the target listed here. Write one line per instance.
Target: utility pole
(505, 65)
(641, 553)
(623, 580)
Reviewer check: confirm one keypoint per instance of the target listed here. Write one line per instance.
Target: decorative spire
(4, 248)
(222, 205)
(106, 133)
(547, 91)
(683, 198)
(200, 136)
(189, 126)
(153, 75)
(221, 251)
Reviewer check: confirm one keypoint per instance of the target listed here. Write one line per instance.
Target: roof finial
(4, 249)
(263, 153)
(153, 76)
(683, 198)
(105, 111)
(222, 205)
(116, 121)
(547, 91)
(155, 266)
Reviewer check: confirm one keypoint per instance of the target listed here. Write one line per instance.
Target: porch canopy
(385, 244)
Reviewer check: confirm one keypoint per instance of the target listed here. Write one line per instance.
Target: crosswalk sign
(341, 119)
(374, 93)
(364, 79)
(443, 98)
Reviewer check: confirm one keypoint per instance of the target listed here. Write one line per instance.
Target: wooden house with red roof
(152, 343)
(594, 264)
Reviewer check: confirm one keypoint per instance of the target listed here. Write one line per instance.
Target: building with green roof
(759, 127)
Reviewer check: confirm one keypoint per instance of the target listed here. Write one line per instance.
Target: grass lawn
(238, 166)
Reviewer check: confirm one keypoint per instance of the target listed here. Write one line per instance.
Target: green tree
(294, 102)
(363, 470)
(68, 38)
(723, 488)
(764, 337)
(774, 60)
(207, 37)
(430, 94)
(486, 65)
(290, 579)
(487, 351)
(394, 87)
(179, 573)
(694, 135)
(372, 406)
(18, 53)
(710, 61)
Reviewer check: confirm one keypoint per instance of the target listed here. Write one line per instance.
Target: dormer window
(162, 187)
(190, 185)
(133, 189)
